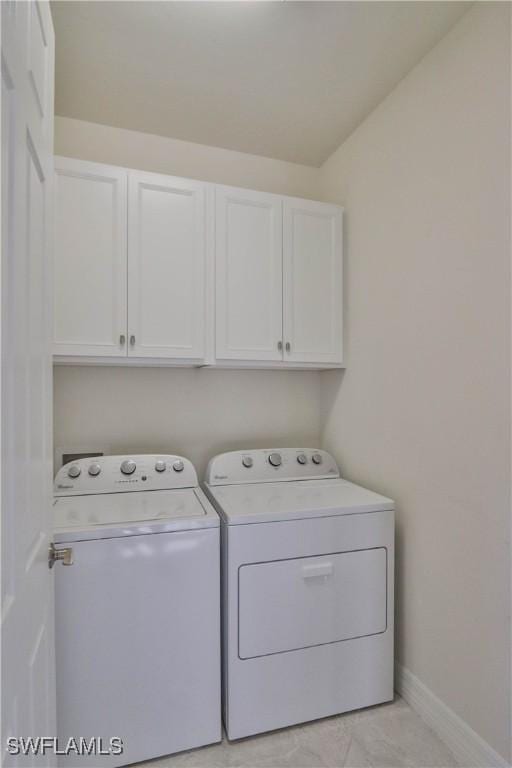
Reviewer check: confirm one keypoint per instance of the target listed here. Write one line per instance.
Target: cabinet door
(248, 275)
(166, 267)
(313, 290)
(90, 259)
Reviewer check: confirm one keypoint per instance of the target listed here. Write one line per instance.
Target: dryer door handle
(316, 570)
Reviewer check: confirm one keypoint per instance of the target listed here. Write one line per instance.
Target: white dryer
(138, 612)
(307, 580)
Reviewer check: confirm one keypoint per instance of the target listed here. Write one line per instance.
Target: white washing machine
(138, 611)
(307, 580)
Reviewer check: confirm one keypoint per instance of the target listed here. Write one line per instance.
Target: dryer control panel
(269, 465)
(117, 474)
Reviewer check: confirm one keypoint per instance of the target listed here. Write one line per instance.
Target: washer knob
(94, 469)
(74, 471)
(317, 458)
(247, 461)
(302, 458)
(128, 467)
(275, 459)
(160, 465)
(178, 466)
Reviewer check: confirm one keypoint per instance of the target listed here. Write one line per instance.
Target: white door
(90, 259)
(166, 267)
(313, 287)
(315, 600)
(248, 275)
(28, 677)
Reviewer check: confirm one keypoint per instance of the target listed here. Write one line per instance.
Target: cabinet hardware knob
(279, 345)
(132, 340)
(288, 346)
(122, 339)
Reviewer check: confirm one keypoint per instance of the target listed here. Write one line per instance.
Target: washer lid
(295, 500)
(77, 518)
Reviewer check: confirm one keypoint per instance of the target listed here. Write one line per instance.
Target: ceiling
(288, 80)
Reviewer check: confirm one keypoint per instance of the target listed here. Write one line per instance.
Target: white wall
(194, 412)
(422, 411)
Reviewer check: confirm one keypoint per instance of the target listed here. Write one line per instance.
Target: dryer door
(287, 605)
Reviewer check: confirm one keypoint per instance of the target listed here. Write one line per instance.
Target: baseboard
(469, 749)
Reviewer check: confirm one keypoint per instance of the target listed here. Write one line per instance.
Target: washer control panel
(116, 474)
(269, 465)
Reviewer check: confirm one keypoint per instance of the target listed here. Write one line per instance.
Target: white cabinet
(248, 275)
(90, 259)
(154, 269)
(130, 265)
(278, 280)
(313, 282)
(166, 267)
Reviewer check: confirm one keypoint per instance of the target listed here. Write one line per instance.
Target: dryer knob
(160, 465)
(94, 469)
(247, 461)
(275, 459)
(128, 467)
(317, 458)
(302, 458)
(74, 471)
(178, 466)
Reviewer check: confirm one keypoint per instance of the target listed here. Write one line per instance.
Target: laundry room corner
(256, 384)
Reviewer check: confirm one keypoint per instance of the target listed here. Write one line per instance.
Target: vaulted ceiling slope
(288, 80)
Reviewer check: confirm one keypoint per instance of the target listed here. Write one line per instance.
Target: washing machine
(137, 610)
(307, 589)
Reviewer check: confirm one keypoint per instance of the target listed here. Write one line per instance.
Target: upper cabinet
(153, 269)
(166, 267)
(248, 275)
(130, 265)
(90, 259)
(313, 282)
(278, 271)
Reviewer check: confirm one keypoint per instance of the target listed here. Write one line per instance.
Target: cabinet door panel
(90, 259)
(166, 267)
(313, 289)
(248, 275)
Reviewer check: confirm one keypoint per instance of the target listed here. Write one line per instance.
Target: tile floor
(387, 736)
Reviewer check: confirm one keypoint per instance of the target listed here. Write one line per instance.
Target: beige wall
(194, 412)
(146, 152)
(422, 411)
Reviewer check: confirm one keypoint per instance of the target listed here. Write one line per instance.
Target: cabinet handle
(132, 340)
(280, 345)
(288, 346)
(122, 339)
